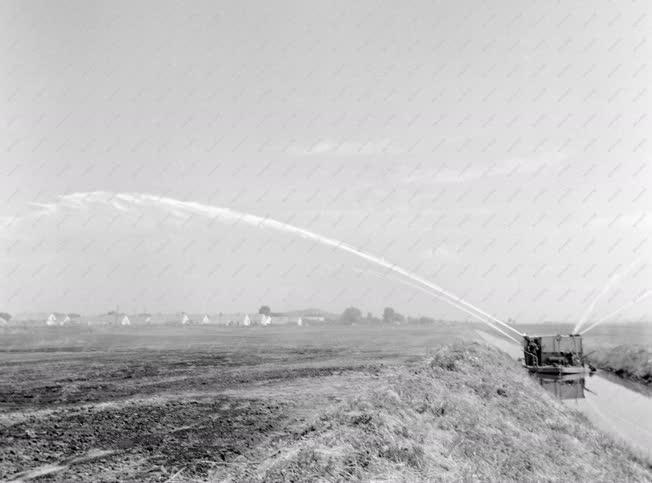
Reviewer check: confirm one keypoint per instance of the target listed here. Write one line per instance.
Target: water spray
(612, 280)
(216, 212)
(439, 297)
(620, 309)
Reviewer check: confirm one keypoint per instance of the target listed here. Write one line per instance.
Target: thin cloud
(464, 173)
(441, 253)
(631, 220)
(344, 148)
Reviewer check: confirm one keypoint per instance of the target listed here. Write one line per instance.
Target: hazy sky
(499, 149)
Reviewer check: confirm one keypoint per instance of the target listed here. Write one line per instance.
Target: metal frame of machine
(554, 354)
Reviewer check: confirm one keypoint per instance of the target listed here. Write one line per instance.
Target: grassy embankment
(467, 412)
(628, 361)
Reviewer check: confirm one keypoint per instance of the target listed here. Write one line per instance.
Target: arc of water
(254, 220)
(620, 309)
(612, 280)
(439, 297)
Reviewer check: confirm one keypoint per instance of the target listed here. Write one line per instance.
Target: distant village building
(112, 318)
(3, 322)
(281, 319)
(229, 320)
(314, 318)
(233, 319)
(262, 320)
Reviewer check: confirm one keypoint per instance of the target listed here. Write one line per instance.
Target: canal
(619, 407)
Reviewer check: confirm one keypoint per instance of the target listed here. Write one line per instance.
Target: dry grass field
(284, 403)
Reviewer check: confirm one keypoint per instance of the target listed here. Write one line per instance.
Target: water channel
(619, 407)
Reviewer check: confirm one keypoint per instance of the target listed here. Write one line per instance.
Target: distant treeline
(353, 315)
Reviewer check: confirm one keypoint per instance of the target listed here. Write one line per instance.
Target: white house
(314, 318)
(246, 321)
(125, 321)
(52, 320)
(261, 319)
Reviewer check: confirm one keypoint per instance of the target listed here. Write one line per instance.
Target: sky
(497, 149)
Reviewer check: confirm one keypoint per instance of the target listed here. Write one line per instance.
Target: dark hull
(558, 370)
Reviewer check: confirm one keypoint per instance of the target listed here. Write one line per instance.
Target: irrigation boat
(554, 354)
(567, 386)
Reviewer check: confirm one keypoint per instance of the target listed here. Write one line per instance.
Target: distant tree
(371, 319)
(265, 310)
(351, 315)
(6, 316)
(388, 315)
